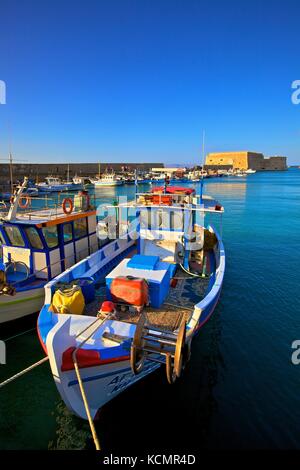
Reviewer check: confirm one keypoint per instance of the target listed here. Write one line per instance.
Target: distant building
(245, 160)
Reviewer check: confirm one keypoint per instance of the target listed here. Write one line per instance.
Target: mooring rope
(24, 371)
(19, 334)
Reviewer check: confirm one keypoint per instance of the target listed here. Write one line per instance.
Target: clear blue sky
(139, 80)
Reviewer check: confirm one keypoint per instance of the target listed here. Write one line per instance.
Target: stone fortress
(245, 160)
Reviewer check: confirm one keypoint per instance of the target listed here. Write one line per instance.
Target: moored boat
(107, 179)
(157, 283)
(54, 184)
(37, 245)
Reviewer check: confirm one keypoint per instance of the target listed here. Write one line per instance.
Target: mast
(11, 173)
(202, 177)
(15, 203)
(68, 173)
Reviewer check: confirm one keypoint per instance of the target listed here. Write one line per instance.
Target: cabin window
(68, 234)
(80, 228)
(34, 238)
(51, 237)
(14, 235)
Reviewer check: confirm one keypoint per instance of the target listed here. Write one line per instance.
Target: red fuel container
(131, 291)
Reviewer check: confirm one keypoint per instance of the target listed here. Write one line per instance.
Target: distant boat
(107, 179)
(84, 180)
(250, 171)
(54, 184)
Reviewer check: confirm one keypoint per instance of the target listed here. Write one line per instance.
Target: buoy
(25, 204)
(67, 205)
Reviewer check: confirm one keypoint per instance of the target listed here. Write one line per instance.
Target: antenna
(10, 159)
(203, 148)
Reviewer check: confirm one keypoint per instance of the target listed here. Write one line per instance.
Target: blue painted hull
(60, 187)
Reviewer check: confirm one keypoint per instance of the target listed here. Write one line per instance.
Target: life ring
(67, 205)
(26, 204)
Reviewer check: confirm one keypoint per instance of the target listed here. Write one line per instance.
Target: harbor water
(240, 389)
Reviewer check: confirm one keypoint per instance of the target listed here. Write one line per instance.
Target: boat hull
(21, 304)
(101, 383)
(102, 184)
(60, 187)
(104, 382)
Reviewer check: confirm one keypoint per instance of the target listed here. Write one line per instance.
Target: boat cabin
(43, 243)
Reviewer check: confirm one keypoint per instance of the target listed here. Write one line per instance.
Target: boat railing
(50, 208)
(45, 268)
(170, 208)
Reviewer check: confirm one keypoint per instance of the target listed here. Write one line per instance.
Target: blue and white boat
(157, 282)
(54, 184)
(38, 244)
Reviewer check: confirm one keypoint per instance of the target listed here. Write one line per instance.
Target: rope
(23, 372)
(83, 394)
(19, 334)
(86, 405)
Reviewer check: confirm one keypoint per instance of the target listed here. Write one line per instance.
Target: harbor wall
(41, 170)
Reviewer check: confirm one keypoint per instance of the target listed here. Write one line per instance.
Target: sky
(139, 80)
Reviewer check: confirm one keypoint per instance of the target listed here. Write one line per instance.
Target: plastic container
(130, 291)
(158, 279)
(143, 262)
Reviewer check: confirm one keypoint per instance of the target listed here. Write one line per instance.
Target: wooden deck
(178, 305)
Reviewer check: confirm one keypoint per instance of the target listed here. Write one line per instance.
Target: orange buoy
(67, 205)
(25, 204)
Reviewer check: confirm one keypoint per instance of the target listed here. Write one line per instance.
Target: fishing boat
(85, 181)
(250, 171)
(240, 173)
(37, 245)
(156, 283)
(54, 184)
(107, 179)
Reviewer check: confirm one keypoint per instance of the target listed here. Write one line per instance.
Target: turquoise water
(240, 389)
